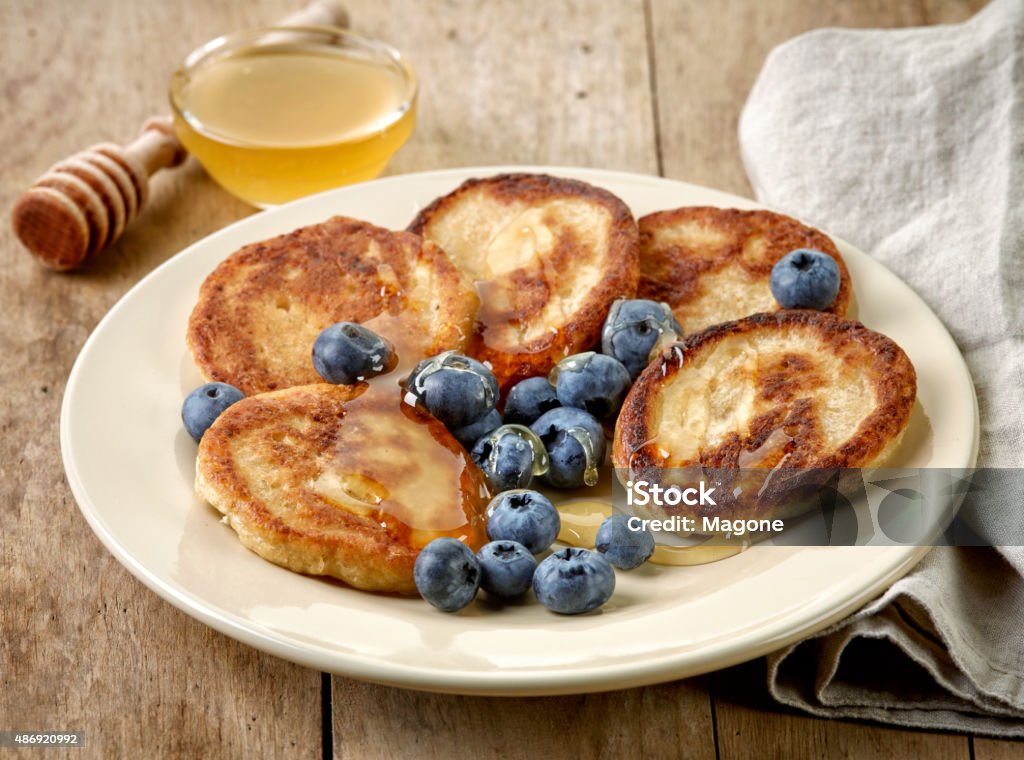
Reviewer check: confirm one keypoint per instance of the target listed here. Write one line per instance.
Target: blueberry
(634, 328)
(506, 569)
(510, 457)
(805, 279)
(621, 545)
(572, 581)
(455, 389)
(346, 353)
(575, 444)
(594, 382)
(529, 399)
(447, 574)
(474, 431)
(527, 517)
(203, 406)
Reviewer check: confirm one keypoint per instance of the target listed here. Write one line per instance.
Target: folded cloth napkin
(910, 143)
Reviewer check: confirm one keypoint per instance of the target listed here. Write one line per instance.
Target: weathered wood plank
(507, 82)
(671, 720)
(994, 749)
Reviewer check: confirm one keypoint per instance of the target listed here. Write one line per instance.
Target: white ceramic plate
(130, 465)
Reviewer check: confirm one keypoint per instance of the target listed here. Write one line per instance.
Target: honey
(274, 115)
(388, 463)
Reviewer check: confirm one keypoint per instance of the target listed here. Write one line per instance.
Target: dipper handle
(83, 203)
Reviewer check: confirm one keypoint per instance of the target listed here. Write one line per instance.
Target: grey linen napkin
(910, 143)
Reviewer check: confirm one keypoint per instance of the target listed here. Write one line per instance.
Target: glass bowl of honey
(277, 113)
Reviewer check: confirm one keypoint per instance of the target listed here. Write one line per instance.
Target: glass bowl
(277, 113)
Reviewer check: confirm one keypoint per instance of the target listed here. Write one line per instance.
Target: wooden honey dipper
(82, 204)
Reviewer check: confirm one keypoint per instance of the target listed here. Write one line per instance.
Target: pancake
(548, 257)
(789, 390)
(712, 265)
(341, 481)
(261, 309)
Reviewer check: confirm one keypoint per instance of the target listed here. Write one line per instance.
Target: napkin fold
(910, 143)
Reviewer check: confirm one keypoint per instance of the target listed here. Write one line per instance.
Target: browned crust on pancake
(672, 274)
(289, 288)
(583, 331)
(892, 376)
(315, 537)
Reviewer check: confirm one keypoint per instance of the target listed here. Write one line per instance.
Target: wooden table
(649, 86)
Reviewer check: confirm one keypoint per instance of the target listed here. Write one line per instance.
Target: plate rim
(578, 679)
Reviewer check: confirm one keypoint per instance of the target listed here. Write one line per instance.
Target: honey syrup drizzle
(389, 466)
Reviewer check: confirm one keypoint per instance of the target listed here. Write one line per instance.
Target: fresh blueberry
(506, 569)
(805, 279)
(575, 444)
(529, 399)
(527, 517)
(510, 457)
(621, 545)
(572, 581)
(473, 432)
(594, 382)
(634, 328)
(447, 574)
(346, 353)
(455, 389)
(204, 405)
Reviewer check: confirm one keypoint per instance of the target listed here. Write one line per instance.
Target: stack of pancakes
(519, 271)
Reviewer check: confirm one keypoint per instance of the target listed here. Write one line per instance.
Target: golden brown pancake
(548, 257)
(712, 265)
(261, 309)
(341, 481)
(792, 390)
